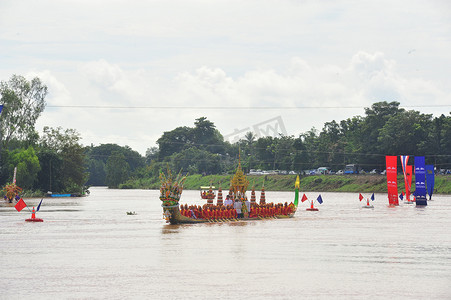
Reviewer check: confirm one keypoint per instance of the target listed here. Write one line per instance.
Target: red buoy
(33, 217)
(312, 208)
(34, 220)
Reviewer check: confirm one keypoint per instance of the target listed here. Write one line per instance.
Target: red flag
(304, 197)
(360, 197)
(20, 205)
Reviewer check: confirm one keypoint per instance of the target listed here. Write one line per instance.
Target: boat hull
(173, 216)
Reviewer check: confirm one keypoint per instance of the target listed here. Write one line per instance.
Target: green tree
(49, 177)
(207, 137)
(27, 164)
(406, 133)
(97, 160)
(117, 169)
(174, 141)
(23, 101)
(197, 161)
(444, 158)
(63, 159)
(301, 157)
(151, 154)
(376, 117)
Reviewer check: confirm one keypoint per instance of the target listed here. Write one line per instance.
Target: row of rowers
(219, 212)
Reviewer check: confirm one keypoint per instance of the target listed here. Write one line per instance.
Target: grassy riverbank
(323, 183)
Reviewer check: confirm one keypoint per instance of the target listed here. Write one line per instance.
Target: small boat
(171, 190)
(53, 195)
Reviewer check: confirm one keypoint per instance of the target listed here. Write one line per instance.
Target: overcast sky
(134, 62)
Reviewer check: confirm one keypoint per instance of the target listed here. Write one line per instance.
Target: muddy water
(89, 248)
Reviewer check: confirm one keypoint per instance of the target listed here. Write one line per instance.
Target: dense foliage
(385, 129)
(54, 161)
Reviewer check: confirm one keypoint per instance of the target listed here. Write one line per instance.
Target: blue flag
(1, 108)
(372, 197)
(401, 196)
(319, 199)
(39, 206)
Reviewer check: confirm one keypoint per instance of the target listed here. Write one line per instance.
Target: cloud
(367, 78)
(192, 54)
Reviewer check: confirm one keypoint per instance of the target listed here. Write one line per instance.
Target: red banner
(408, 181)
(392, 183)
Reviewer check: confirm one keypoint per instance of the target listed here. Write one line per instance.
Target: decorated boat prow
(170, 192)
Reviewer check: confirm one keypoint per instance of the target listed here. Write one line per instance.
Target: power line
(232, 107)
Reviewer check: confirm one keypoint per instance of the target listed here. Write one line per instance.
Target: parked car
(322, 170)
(352, 169)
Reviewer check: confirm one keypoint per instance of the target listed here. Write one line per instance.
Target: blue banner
(430, 180)
(420, 181)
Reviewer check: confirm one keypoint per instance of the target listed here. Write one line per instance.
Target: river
(89, 248)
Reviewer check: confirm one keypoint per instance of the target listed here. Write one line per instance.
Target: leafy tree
(49, 177)
(151, 154)
(98, 157)
(406, 133)
(352, 138)
(264, 149)
(27, 164)
(376, 117)
(63, 159)
(445, 142)
(197, 161)
(74, 169)
(23, 101)
(57, 138)
(310, 141)
(207, 137)
(301, 158)
(117, 169)
(174, 141)
(97, 172)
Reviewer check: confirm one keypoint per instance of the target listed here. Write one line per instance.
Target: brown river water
(89, 248)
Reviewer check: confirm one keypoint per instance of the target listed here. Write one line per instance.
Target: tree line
(55, 160)
(385, 129)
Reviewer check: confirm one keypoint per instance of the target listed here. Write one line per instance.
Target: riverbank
(311, 183)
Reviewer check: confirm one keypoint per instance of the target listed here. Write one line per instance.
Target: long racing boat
(236, 210)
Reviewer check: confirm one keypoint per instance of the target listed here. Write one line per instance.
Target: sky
(126, 71)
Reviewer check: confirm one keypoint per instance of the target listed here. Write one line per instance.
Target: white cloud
(223, 53)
